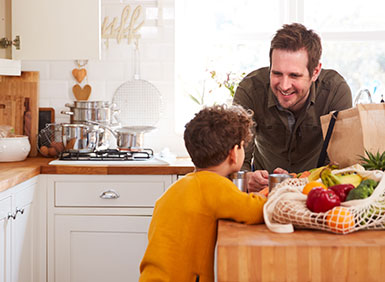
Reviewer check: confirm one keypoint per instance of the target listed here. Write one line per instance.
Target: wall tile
(41, 67)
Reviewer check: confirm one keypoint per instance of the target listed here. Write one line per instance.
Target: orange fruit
(340, 220)
(312, 184)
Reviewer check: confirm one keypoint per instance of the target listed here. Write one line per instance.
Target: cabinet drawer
(131, 193)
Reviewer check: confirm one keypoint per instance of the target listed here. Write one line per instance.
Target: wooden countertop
(253, 253)
(16, 172)
(181, 166)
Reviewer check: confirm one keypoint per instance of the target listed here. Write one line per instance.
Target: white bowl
(14, 149)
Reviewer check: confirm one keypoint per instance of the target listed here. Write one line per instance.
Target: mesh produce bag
(286, 208)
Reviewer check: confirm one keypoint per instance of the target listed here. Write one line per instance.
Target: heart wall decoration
(79, 74)
(81, 93)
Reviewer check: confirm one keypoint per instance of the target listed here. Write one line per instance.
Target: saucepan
(128, 138)
(83, 138)
(98, 111)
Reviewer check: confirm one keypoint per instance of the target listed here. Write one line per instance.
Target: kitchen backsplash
(156, 49)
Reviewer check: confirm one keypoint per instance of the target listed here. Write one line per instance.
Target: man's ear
(316, 72)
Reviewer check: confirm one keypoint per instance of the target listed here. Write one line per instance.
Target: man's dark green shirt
(281, 139)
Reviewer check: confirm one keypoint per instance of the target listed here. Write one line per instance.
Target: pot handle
(115, 112)
(104, 127)
(67, 113)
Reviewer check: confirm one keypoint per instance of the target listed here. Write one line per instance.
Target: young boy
(183, 230)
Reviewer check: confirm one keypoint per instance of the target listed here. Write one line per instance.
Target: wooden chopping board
(16, 92)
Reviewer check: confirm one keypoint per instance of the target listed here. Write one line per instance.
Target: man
(287, 100)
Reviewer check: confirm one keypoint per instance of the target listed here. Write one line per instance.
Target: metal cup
(274, 179)
(240, 180)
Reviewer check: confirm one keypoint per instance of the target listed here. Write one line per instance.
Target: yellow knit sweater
(183, 230)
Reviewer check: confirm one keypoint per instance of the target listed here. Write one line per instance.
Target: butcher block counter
(16, 172)
(253, 253)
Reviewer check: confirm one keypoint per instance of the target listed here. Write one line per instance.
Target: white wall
(157, 66)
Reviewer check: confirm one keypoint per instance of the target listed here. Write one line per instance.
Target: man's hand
(259, 179)
(279, 170)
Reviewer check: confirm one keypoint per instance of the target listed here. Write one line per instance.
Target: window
(234, 36)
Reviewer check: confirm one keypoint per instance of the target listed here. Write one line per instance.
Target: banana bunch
(315, 173)
(330, 179)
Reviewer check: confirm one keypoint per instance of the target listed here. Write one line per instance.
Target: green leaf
(195, 99)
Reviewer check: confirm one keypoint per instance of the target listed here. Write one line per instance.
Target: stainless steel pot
(128, 138)
(98, 111)
(81, 138)
(92, 104)
(131, 138)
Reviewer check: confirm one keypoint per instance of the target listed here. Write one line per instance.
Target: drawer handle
(109, 194)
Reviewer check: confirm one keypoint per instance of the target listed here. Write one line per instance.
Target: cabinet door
(5, 242)
(5, 26)
(23, 262)
(99, 248)
(56, 29)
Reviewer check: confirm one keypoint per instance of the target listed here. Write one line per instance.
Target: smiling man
(288, 99)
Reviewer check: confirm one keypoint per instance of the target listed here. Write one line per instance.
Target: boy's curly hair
(214, 131)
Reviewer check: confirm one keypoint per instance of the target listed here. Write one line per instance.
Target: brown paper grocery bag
(356, 130)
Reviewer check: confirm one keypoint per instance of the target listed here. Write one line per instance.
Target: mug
(275, 178)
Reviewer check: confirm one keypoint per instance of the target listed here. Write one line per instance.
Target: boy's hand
(260, 195)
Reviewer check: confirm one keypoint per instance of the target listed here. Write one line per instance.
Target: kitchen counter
(13, 173)
(16, 172)
(253, 253)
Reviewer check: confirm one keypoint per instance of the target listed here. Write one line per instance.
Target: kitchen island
(253, 253)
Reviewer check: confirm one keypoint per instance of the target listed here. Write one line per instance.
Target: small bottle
(382, 99)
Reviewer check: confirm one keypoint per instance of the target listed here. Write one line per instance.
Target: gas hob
(143, 157)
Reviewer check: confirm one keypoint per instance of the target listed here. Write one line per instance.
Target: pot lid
(90, 104)
(135, 129)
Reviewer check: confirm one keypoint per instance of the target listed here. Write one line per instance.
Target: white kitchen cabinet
(97, 225)
(18, 233)
(50, 30)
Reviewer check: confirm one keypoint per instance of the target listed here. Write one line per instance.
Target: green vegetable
(373, 214)
(364, 190)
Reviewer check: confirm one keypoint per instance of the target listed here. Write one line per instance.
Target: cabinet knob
(5, 42)
(10, 215)
(109, 194)
(18, 210)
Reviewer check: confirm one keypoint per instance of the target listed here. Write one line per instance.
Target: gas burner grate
(107, 155)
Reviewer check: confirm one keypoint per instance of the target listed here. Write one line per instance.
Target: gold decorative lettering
(111, 30)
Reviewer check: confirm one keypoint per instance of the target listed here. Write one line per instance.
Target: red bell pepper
(342, 190)
(321, 200)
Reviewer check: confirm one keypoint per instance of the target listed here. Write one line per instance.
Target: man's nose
(285, 83)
